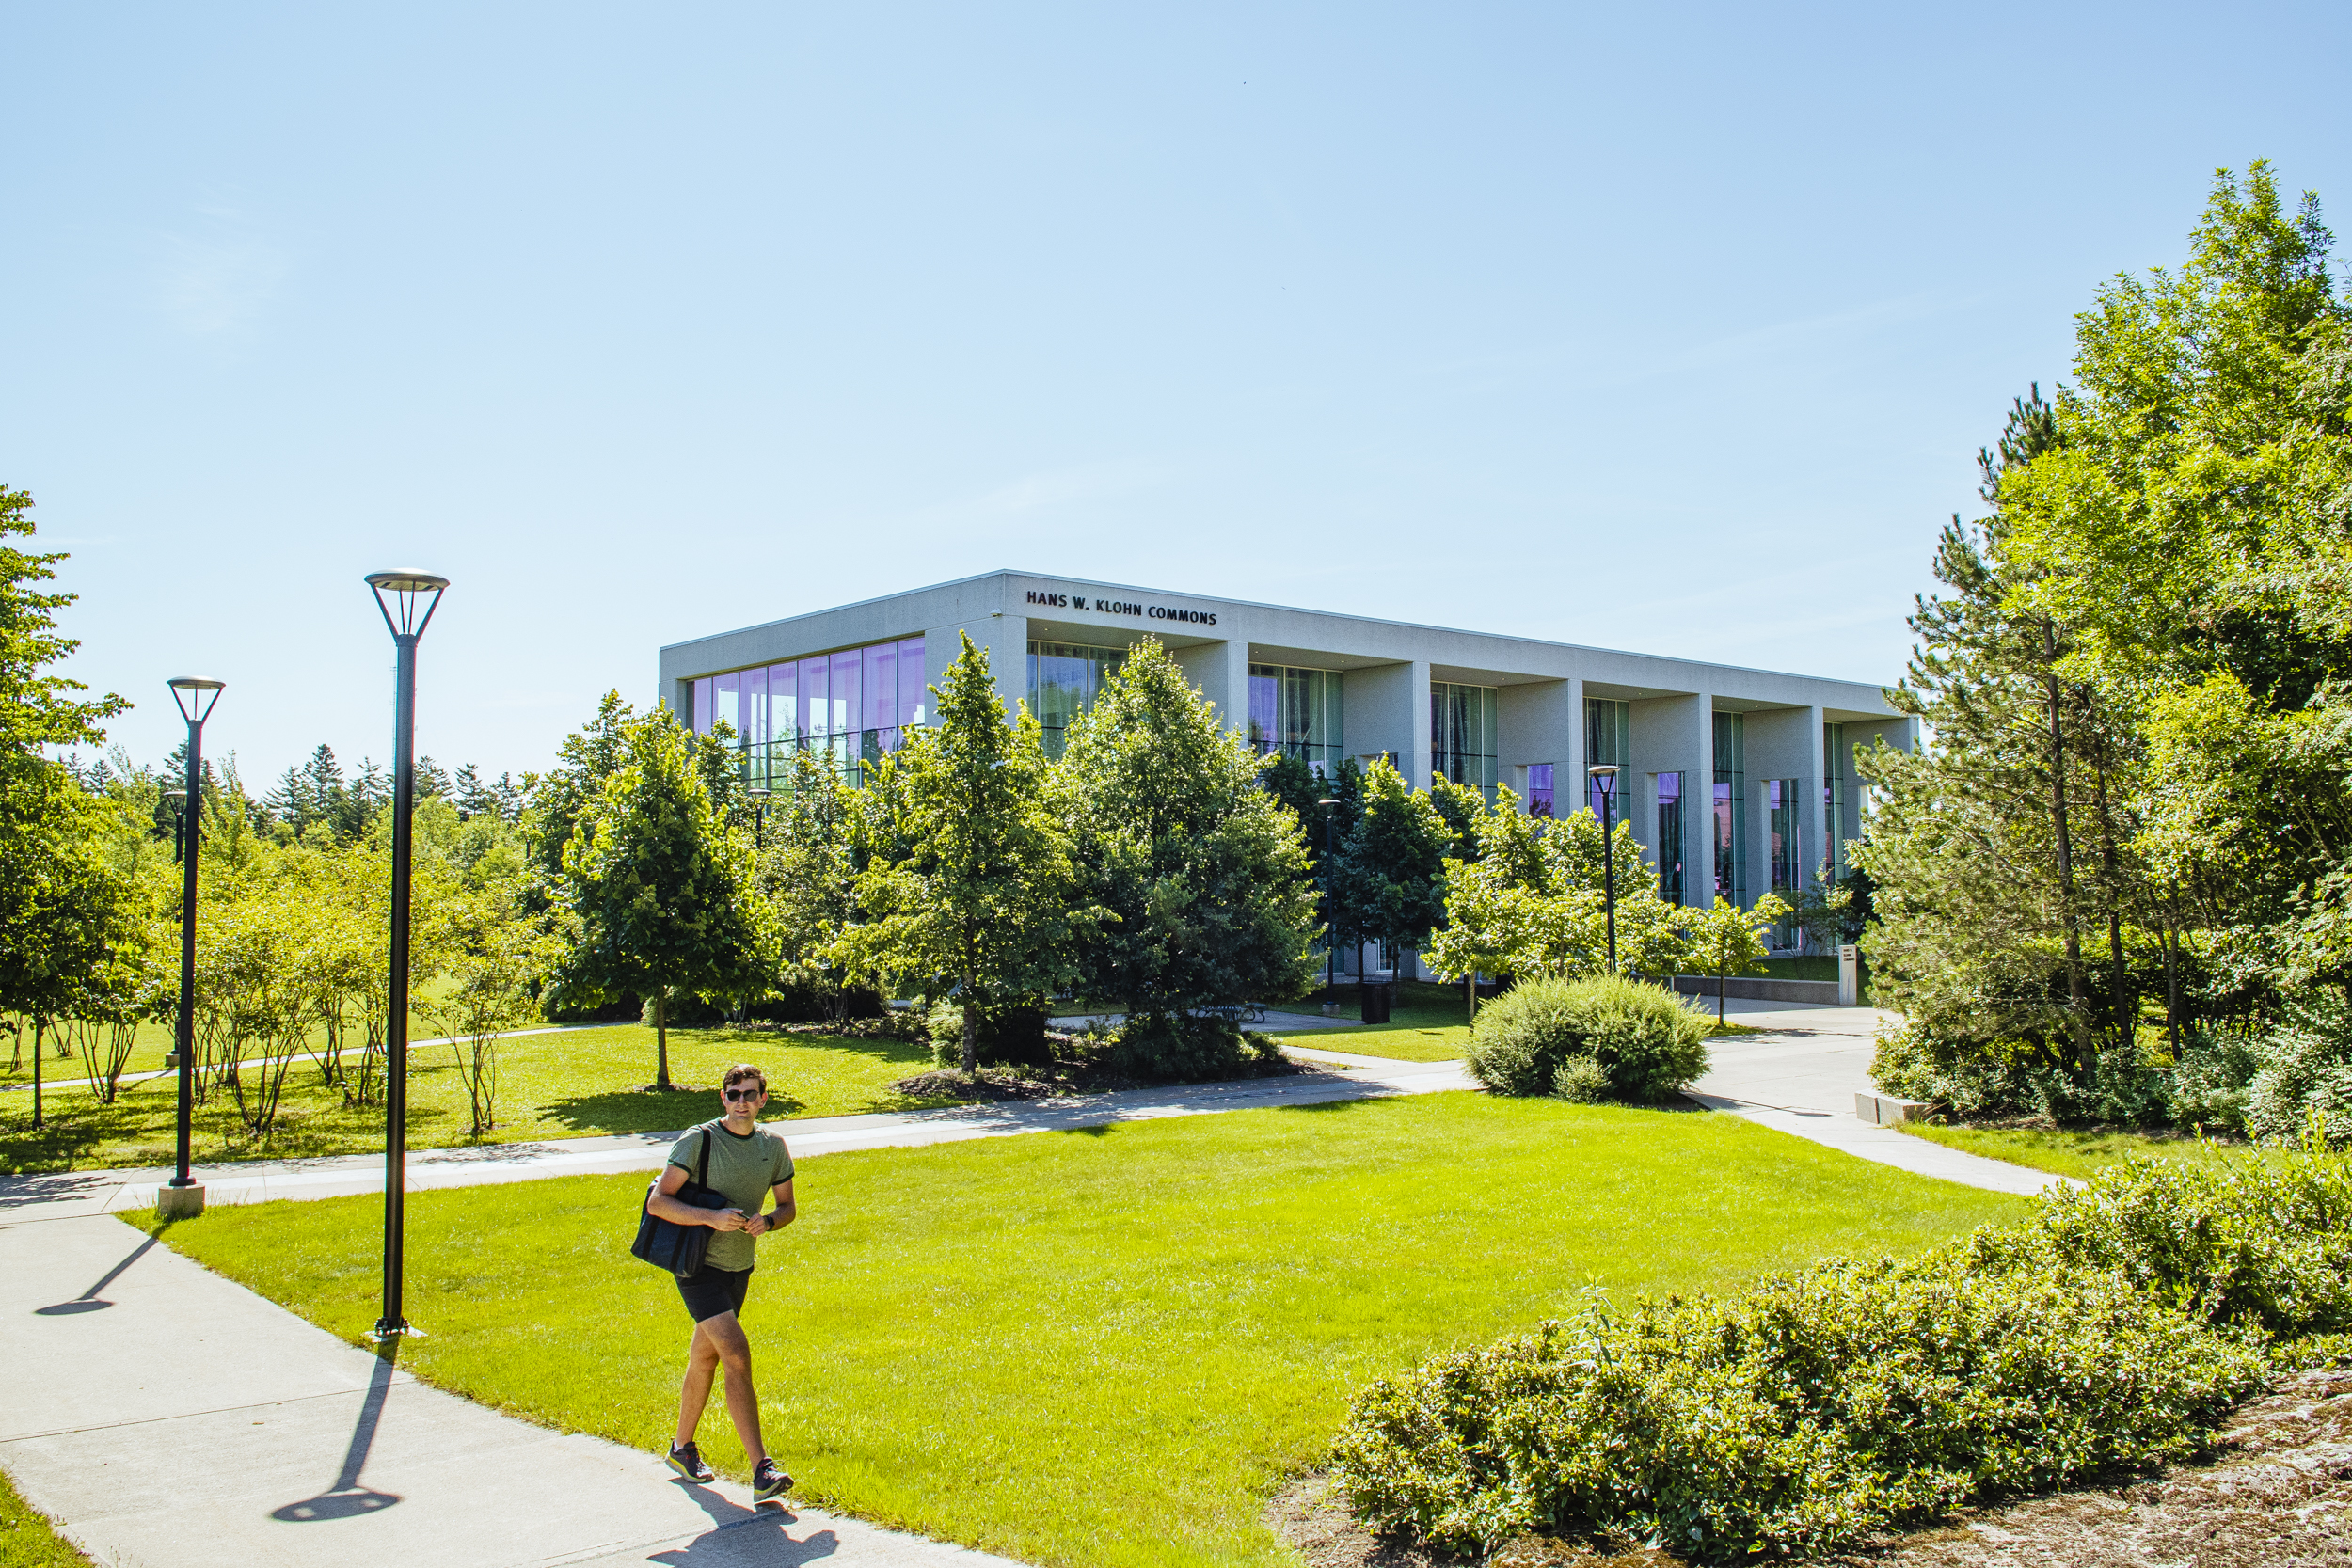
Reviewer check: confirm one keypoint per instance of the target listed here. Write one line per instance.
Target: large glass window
(1294, 713)
(1669, 845)
(1833, 799)
(850, 708)
(1462, 734)
(1781, 798)
(1608, 738)
(1731, 808)
(1063, 680)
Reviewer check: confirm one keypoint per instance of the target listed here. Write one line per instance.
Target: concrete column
(1542, 722)
(1814, 851)
(1221, 671)
(1386, 708)
(1674, 734)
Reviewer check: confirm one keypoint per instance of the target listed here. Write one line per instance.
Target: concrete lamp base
(179, 1203)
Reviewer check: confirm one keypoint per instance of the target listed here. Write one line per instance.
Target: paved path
(169, 1416)
(1801, 1077)
(256, 1180)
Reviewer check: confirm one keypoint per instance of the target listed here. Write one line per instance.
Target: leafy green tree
(1206, 875)
(1389, 874)
(971, 881)
(37, 708)
(2139, 684)
(663, 894)
(1728, 940)
(809, 866)
(1534, 901)
(555, 802)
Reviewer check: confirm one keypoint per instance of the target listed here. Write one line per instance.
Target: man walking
(746, 1163)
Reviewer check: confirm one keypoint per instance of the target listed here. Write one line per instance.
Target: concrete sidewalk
(168, 1415)
(1801, 1077)
(258, 1180)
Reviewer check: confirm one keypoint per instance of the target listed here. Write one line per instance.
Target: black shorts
(712, 1291)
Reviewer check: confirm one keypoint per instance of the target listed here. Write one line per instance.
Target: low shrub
(2303, 1070)
(2260, 1246)
(1010, 1035)
(2109, 1332)
(1645, 1044)
(1186, 1048)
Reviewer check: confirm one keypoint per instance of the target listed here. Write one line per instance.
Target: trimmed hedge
(2108, 1333)
(1603, 1038)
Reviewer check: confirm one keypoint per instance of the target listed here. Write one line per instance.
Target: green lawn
(26, 1538)
(2061, 1151)
(1099, 1347)
(566, 1085)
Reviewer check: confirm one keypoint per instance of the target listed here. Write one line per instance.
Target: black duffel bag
(666, 1244)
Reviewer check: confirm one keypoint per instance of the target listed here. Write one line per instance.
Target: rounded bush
(1646, 1044)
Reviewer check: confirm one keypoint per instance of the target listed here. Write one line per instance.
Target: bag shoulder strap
(702, 1168)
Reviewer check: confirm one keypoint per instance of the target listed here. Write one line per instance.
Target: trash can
(1378, 999)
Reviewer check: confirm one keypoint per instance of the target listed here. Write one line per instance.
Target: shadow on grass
(648, 1110)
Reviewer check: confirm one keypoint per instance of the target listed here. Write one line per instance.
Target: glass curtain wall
(1731, 808)
(1063, 680)
(1294, 713)
(1833, 799)
(1462, 735)
(1669, 845)
(1608, 738)
(1781, 798)
(850, 708)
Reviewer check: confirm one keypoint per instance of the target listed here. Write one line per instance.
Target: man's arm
(663, 1206)
(784, 1213)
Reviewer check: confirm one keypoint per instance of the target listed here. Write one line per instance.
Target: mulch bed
(2275, 1492)
(1078, 1069)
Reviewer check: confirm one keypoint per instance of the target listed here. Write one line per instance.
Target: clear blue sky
(1665, 329)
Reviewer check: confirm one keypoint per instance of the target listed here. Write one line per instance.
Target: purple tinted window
(1265, 699)
(912, 699)
(1539, 789)
(701, 719)
(815, 721)
(844, 704)
(752, 714)
(784, 715)
(881, 687)
(729, 695)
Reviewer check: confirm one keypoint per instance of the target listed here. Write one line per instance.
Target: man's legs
(719, 1341)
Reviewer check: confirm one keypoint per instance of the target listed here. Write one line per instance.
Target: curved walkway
(163, 1414)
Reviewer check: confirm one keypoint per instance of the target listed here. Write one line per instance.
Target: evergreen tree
(1207, 877)
(556, 800)
(1390, 874)
(974, 882)
(663, 894)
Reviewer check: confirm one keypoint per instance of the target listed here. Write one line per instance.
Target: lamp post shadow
(89, 1301)
(346, 1498)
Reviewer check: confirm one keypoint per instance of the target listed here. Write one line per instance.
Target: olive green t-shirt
(743, 1168)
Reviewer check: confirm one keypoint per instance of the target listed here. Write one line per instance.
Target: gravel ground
(2275, 1492)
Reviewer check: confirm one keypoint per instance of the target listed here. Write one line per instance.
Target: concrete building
(1740, 781)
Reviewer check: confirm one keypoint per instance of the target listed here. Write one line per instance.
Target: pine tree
(663, 894)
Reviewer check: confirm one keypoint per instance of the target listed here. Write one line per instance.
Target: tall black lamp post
(184, 1197)
(760, 794)
(399, 597)
(1605, 778)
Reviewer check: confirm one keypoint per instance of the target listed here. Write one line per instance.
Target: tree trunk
(2124, 1011)
(972, 1032)
(2085, 1051)
(661, 1038)
(2172, 977)
(38, 1021)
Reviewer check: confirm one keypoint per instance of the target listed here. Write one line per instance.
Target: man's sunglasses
(733, 1095)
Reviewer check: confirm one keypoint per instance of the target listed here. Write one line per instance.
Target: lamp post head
(1605, 775)
(405, 587)
(193, 697)
(1327, 800)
